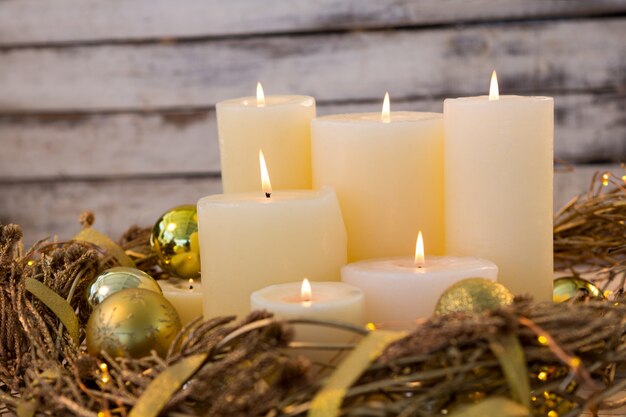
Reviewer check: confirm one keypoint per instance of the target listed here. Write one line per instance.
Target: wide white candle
(326, 301)
(398, 291)
(280, 125)
(402, 289)
(185, 296)
(249, 241)
(387, 170)
(499, 170)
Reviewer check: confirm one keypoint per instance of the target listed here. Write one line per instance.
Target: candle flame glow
(305, 293)
(191, 283)
(386, 112)
(260, 96)
(494, 92)
(419, 251)
(265, 176)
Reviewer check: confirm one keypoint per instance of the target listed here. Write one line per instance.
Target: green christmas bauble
(174, 240)
(131, 323)
(566, 288)
(473, 295)
(116, 279)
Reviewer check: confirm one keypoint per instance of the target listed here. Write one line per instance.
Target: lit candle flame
(260, 96)
(265, 177)
(494, 93)
(305, 293)
(191, 283)
(419, 251)
(386, 112)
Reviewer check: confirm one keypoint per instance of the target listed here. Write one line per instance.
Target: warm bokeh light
(305, 292)
(260, 96)
(265, 176)
(494, 92)
(386, 112)
(419, 251)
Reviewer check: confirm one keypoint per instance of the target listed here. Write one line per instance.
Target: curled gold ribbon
(327, 402)
(101, 240)
(60, 307)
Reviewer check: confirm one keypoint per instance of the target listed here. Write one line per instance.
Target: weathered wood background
(108, 105)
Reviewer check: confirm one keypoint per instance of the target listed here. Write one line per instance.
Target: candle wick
(191, 287)
(267, 195)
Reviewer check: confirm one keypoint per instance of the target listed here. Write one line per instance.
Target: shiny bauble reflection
(174, 240)
(116, 279)
(578, 289)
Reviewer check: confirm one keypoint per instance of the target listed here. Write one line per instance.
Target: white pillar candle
(402, 289)
(499, 170)
(387, 170)
(185, 296)
(280, 125)
(249, 241)
(326, 301)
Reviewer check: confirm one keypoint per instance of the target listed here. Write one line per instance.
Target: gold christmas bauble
(473, 295)
(174, 239)
(116, 279)
(131, 323)
(566, 288)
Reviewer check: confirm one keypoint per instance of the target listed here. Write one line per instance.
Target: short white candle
(397, 290)
(251, 240)
(499, 186)
(185, 296)
(280, 125)
(387, 170)
(335, 301)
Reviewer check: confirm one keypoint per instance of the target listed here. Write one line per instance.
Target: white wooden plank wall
(108, 105)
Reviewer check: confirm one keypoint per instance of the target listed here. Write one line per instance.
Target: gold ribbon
(26, 408)
(508, 350)
(60, 307)
(165, 385)
(492, 406)
(101, 240)
(327, 402)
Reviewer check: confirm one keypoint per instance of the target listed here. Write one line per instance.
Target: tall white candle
(334, 301)
(387, 170)
(280, 125)
(249, 241)
(402, 289)
(499, 171)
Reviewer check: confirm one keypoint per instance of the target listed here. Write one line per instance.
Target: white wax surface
(281, 129)
(388, 178)
(331, 301)
(499, 171)
(248, 241)
(397, 291)
(186, 301)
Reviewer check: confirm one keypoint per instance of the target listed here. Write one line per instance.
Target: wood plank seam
(465, 24)
(158, 20)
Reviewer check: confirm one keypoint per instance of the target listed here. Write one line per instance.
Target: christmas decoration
(568, 354)
(567, 288)
(116, 279)
(131, 323)
(473, 295)
(174, 239)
